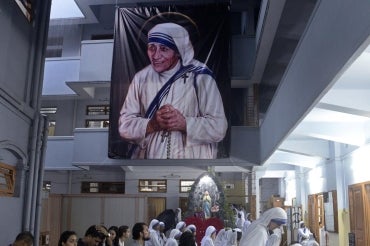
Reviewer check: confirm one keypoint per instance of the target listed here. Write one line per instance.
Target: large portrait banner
(170, 83)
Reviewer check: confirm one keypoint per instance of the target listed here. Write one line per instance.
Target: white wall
(314, 65)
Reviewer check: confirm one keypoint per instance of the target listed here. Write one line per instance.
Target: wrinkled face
(71, 241)
(156, 227)
(161, 57)
(272, 225)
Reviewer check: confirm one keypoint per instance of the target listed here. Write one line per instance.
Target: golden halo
(175, 17)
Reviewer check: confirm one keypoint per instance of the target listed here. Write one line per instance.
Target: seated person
(305, 236)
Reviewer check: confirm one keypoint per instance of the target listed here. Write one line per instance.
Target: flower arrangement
(202, 224)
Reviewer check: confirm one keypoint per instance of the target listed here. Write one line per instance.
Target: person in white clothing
(162, 236)
(154, 234)
(220, 238)
(181, 226)
(247, 222)
(173, 238)
(231, 238)
(275, 237)
(173, 108)
(324, 235)
(257, 234)
(305, 236)
(209, 237)
(240, 220)
(178, 215)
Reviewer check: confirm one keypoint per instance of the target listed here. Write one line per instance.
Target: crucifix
(185, 76)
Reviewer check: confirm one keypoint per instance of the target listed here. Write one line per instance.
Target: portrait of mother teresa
(173, 108)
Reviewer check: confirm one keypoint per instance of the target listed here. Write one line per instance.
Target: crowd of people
(265, 231)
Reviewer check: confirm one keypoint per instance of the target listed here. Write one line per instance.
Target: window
(51, 127)
(185, 185)
(97, 123)
(7, 180)
(46, 186)
(48, 110)
(103, 187)
(150, 185)
(101, 36)
(97, 110)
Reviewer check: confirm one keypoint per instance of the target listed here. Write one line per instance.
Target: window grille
(150, 185)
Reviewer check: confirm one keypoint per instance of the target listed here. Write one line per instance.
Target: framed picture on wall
(26, 8)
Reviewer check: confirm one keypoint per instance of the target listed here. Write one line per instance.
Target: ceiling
(340, 115)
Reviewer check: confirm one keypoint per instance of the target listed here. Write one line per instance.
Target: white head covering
(171, 241)
(257, 231)
(175, 233)
(231, 236)
(191, 228)
(240, 220)
(153, 223)
(175, 37)
(207, 240)
(220, 238)
(178, 214)
(181, 225)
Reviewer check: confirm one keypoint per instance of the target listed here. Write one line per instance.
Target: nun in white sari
(209, 237)
(231, 238)
(220, 238)
(154, 234)
(174, 236)
(173, 108)
(257, 234)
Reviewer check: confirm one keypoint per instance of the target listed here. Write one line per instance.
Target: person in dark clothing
(187, 239)
(24, 238)
(94, 236)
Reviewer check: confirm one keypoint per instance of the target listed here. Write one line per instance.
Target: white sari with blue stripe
(195, 95)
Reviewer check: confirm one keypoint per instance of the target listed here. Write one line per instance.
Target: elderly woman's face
(161, 57)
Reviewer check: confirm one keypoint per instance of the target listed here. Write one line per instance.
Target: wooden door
(252, 206)
(312, 211)
(357, 214)
(367, 212)
(183, 204)
(320, 217)
(156, 205)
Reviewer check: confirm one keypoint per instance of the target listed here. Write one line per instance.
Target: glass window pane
(97, 110)
(48, 110)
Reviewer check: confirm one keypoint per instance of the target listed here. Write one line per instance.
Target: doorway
(359, 209)
(156, 205)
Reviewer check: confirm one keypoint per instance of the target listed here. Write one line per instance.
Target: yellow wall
(344, 228)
